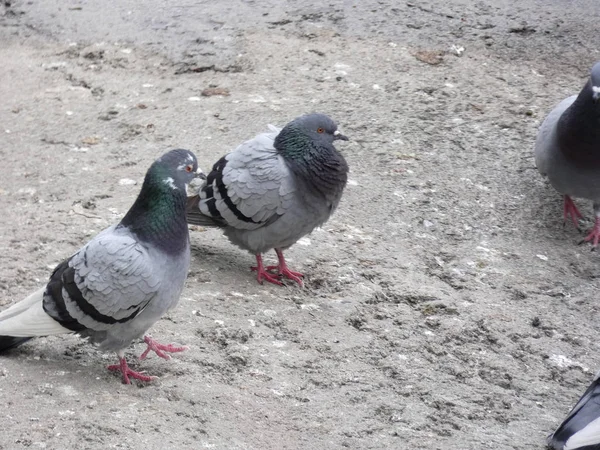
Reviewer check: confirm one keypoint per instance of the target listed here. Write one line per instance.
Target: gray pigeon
(274, 189)
(581, 429)
(123, 280)
(567, 150)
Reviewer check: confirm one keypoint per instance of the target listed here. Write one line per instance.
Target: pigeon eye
(189, 168)
(320, 130)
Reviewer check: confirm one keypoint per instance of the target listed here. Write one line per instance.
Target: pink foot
(286, 272)
(570, 209)
(160, 349)
(127, 372)
(594, 235)
(263, 274)
(283, 269)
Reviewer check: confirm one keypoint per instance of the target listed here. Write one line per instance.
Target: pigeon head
(595, 82)
(306, 144)
(310, 130)
(158, 214)
(175, 169)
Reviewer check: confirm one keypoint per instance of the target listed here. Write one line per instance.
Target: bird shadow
(75, 363)
(224, 258)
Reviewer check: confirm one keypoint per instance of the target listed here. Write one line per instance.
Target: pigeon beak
(340, 136)
(200, 174)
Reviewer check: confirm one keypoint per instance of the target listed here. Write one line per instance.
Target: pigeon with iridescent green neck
(123, 280)
(274, 189)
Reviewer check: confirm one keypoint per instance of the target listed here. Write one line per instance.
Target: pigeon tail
(195, 216)
(25, 320)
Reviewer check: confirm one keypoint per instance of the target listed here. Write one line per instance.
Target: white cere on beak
(170, 182)
(336, 133)
(200, 174)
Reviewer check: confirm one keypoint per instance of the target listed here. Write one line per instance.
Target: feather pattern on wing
(250, 187)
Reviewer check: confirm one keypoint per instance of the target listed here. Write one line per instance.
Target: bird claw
(273, 274)
(266, 275)
(593, 236)
(160, 349)
(291, 275)
(126, 372)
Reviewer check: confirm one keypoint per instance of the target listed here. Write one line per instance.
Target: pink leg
(127, 372)
(570, 209)
(263, 274)
(160, 349)
(283, 269)
(594, 235)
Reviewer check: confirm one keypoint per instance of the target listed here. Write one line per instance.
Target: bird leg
(283, 270)
(126, 371)
(570, 209)
(594, 235)
(160, 349)
(263, 274)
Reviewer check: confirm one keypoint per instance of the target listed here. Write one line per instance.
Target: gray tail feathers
(8, 342)
(195, 216)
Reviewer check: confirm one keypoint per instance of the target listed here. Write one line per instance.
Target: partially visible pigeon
(123, 280)
(567, 150)
(274, 189)
(581, 429)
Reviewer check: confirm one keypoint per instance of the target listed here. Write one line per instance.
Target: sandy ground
(445, 307)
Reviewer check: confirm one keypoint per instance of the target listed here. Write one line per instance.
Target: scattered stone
(269, 313)
(212, 91)
(109, 115)
(432, 57)
(523, 30)
(257, 98)
(457, 50)
(27, 191)
(94, 55)
(90, 140)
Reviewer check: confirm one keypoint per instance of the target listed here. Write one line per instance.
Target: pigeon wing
(110, 280)
(250, 187)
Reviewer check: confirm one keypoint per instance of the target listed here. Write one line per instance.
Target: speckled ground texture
(446, 306)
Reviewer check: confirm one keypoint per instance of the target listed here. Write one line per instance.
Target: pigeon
(567, 150)
(274, 189)
(581, 429)
(117, 285)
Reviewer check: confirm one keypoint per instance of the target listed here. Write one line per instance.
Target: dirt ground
(446, 306)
